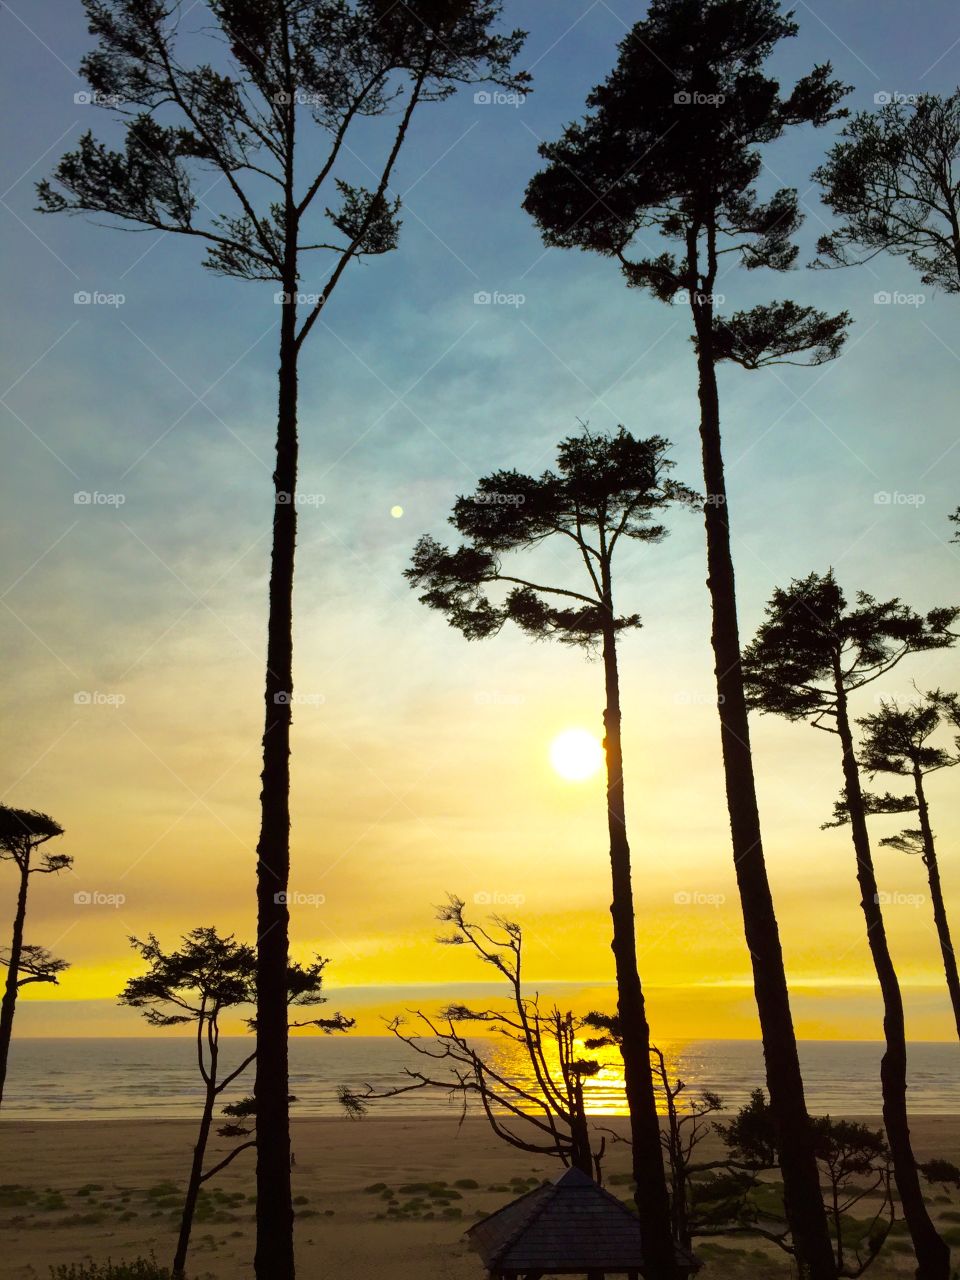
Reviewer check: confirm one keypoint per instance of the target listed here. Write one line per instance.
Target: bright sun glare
(576, 754)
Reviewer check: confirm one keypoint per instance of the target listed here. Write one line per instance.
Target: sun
(576, 754)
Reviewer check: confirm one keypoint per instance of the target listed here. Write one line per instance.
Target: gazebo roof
(569, 1226)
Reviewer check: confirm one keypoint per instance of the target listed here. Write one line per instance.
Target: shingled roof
(569, 1226)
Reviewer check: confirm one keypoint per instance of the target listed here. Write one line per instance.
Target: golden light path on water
(603, 1092)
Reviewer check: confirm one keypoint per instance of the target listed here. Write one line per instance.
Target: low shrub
(139, 1269)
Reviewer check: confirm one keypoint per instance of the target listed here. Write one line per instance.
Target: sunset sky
(421, 762)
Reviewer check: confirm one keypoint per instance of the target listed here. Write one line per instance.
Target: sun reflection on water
(604, 1093)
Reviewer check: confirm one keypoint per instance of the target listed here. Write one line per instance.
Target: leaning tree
(855, 1165)
(273, 117)
(605, 489)
(893, 182)
(547, 1117)
(23, 832)
(896, 739)
(671, 148)
(196, 984)
(809, 656)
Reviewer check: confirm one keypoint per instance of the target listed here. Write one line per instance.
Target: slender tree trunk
(933, 1256)
(274, 1258)
(936, 897)
(652, 1197)
(805, 1210)
(9, 1005)
(581, 1156)
(837, 1225)
(178, 1270)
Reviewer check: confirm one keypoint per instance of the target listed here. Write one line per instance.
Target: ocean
(100, 1079)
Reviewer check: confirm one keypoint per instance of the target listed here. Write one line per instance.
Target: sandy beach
(110, 1189)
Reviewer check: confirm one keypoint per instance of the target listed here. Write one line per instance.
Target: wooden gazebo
(567, 1227)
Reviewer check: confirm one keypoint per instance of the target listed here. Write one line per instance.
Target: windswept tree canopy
(22, 831)
(812, 637)
(671, 144)
(897, 739)
(336, 61)
(36, 964)
(210, 973)
(893, 181)
(605, 488)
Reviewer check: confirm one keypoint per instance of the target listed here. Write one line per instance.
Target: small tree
(855, 1165)
(808, 657)
(195, 985)
(606, 489)
(893, 180)
(896, 740)
(550, 1119)
(684, 1131)
(274, 116)
(671, 148)
(23, 832)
